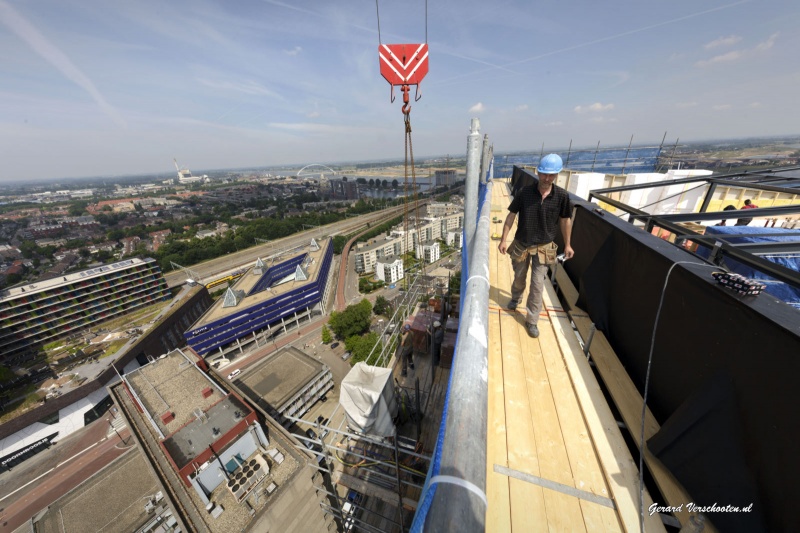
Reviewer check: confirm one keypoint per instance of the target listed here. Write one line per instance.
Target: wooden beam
(628, 401)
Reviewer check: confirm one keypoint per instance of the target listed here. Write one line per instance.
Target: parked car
(334, 345)
(346, 356)
(234, 373)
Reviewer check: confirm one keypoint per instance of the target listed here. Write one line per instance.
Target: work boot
(512, 305)
(532, 329)
(411, 365)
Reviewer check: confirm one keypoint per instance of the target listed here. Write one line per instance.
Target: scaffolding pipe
(460, 498)
(471, 186)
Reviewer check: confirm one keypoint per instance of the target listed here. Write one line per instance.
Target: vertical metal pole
(399, 487)
(595, 155)
(471, 185)
(673, 152)
(569, 153)
(416, 401)
(484, 159)
(625, 163)
(660, 147)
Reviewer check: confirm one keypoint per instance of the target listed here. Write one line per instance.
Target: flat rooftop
(278, 377)
(111, 500)
(312, 263)
(173, 384)
(196, 436)
(66, 279)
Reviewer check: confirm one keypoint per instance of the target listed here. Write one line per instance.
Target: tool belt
(546, 252)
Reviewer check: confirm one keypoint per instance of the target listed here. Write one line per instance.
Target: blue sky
(91, 88)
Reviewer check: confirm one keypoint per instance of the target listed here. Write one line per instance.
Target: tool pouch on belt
(547, 253)
(517, 251)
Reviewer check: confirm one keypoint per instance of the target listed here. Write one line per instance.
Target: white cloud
(730, 40)
(554, 123)
(523, 107)
(685, 105)
(722, 58)
(736, 55)
(477, 108)
(766, 45)
(602, 120)
(294, 51)
(596, 107)
(721, 107)
(313, 114)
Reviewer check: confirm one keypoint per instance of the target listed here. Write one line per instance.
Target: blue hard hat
(550, 164)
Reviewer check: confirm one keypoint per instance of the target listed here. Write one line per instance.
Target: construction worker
(436, 338)
(407, 349)
(542, 208)
(745, 221)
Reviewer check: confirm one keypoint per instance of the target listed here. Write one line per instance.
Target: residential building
(389, 272)
(34, 314)
(428, 251)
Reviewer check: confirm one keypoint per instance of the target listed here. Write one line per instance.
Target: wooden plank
(620, 470)
(527, 501)
(628, 401)
(586, 470)
(563, 510)
(498, 513)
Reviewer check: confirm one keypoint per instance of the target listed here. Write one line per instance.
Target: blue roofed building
(273, 296)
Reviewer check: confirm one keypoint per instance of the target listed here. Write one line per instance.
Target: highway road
(215, 268)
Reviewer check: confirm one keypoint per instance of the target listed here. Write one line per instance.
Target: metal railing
(454, 497)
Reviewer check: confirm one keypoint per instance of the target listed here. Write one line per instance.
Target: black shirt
(538, 219)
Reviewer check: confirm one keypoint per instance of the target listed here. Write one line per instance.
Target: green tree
(326, 335)
(338, 244)
(455, 282)
(381, 306)
(77, 208)
(362, 345)
(354, 320)
(395, 183)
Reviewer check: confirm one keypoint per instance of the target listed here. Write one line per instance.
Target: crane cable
(409, 147)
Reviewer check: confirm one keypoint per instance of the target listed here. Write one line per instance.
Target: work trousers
(533, 304)
(408, 359)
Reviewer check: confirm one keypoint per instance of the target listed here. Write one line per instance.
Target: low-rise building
(389, 272)
(428, 251)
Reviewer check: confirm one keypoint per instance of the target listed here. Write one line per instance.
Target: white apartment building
(389, 272)
(455, 239)
(400, 241)
(428, 251)
(440, 209)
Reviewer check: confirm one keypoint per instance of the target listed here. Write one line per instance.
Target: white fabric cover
(367, 396)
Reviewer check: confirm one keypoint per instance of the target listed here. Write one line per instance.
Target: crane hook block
(403, 64)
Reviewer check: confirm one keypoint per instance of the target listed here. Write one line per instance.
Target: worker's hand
(502, 247)
(568, 252)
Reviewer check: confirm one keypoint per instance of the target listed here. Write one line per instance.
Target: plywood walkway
(556, 460)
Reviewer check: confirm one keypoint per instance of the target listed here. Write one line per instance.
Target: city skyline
(92, 90)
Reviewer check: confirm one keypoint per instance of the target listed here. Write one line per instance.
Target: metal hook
(417, 93)
(406, 107)
(391, 94)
